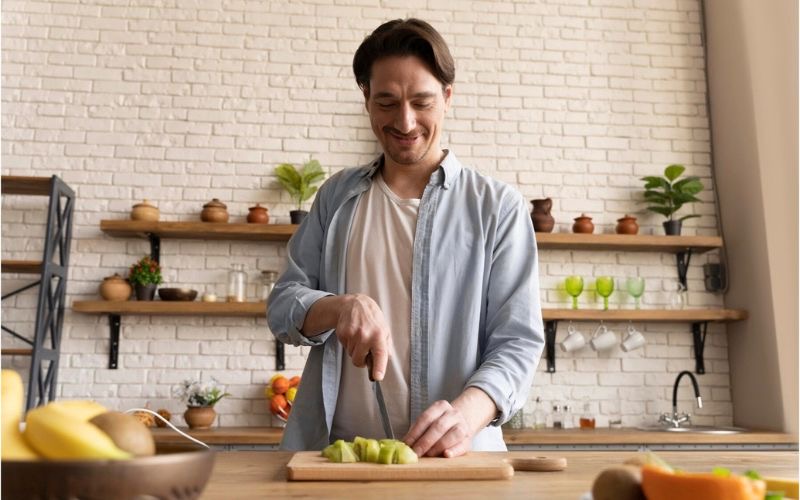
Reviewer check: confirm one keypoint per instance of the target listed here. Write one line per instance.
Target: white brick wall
(127, 100)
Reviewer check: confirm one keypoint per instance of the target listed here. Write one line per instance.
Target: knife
(376, 387)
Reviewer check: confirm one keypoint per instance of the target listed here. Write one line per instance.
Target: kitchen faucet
(675, 420)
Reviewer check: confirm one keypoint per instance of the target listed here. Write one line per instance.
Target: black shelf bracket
(280, 361)
(155, 247)
(683, 259)
(113, 348)
(550, 329)
(699, 330)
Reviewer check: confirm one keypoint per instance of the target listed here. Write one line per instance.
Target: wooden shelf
(648, 315)
(16, 184)
(627, 242)
(171, 308)
(16, 352)
(198, 230)
(21, 266)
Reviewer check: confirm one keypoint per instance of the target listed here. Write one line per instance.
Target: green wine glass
(604, 285)
(574, 286)
(635, 287)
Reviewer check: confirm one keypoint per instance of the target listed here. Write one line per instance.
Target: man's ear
(448, 95)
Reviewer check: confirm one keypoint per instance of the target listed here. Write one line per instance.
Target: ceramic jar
(627, 225)
(214, 211)
(258, 215)
(199, 417)
(145, 211)
(115, 288)
(543, 222)
(583, 224)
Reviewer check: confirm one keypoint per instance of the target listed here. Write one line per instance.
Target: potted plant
(666, 195)
(145, 276)
(300, 184)
(200, 399)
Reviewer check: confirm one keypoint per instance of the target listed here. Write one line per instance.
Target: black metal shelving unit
(52, 282)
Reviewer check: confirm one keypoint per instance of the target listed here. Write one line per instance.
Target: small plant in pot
(199, 399)
(300, 184)
(145, 276)
(666, 195)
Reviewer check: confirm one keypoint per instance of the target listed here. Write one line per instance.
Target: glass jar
(539, 417)
(587, 417)
(268, 279)
(566, 418)
(515, 422)
(558, 420)
(678, 297)
(237, 282)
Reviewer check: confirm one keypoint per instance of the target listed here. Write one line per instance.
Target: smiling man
(424, 263)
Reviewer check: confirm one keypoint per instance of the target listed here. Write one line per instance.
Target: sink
(700, 429)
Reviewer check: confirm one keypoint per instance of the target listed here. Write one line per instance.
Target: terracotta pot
(627, 225)
(199, 417)
(145, 211)
(214, 211)
(297, 216)
(543, 222)
(258, 215)
(583, 224)
(115, 288)
(145, 292)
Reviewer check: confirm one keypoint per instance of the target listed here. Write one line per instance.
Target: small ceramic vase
(145, 211)
(199, 417)
(627, 225)
(214, 211)
(543, 222)
(146, 292)
(258, 215)
(583, 224)
(115, 288)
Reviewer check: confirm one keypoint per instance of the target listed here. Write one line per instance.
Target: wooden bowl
(185, 294)
(170, 474)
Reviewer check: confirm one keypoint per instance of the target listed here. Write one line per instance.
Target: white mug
(633, 340)
(603, 338)
(573, 341)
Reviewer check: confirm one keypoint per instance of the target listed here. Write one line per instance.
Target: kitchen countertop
(271, 436)
(253, 474)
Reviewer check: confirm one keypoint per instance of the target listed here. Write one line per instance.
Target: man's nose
(405, 120)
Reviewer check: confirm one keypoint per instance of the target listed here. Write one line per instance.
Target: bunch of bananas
(67, 430)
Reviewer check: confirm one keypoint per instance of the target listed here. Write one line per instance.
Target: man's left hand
(446, 429)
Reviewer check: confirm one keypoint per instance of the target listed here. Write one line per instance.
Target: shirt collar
(444, 176)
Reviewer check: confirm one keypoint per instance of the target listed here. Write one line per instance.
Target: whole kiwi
(622, 482)
(127, 432)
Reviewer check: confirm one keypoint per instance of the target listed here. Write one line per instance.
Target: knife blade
(376, 388)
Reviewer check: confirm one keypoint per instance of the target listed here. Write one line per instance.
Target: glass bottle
(558, 421)
(566, 420)
(268, 279)
(236, 283)
(587, 417)
(539, 417)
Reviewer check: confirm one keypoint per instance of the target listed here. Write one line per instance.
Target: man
(425, 264)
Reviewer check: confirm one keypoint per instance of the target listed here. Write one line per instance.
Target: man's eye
(422, 105)
(385, 105)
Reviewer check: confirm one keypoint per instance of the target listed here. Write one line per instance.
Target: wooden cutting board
(311, 466)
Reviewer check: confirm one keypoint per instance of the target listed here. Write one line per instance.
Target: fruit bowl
(185, 294)
(176, 472)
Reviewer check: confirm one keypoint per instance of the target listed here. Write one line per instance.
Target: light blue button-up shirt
(476, 319)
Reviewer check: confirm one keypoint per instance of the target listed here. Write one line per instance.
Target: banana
(80, 409)
(14, 446)
(59, 434)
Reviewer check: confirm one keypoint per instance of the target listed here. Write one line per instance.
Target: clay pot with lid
(145, 211)
(214, 211)
(258, 215)
(543, 222)
(627, 225)
(115, 288)
(583, 224)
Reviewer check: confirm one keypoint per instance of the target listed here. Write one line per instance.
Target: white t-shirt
(379, 261)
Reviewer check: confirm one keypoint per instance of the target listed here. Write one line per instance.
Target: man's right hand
(360, 327)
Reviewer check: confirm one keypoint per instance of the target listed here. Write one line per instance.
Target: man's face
(406, 106)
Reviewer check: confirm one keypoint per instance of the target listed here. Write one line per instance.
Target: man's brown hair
(410, 37)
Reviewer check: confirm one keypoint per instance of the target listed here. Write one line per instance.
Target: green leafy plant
(666, 195)
(300, 184)
(145, 272)
(196, 393)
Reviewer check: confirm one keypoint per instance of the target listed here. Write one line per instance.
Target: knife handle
(369, 366)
